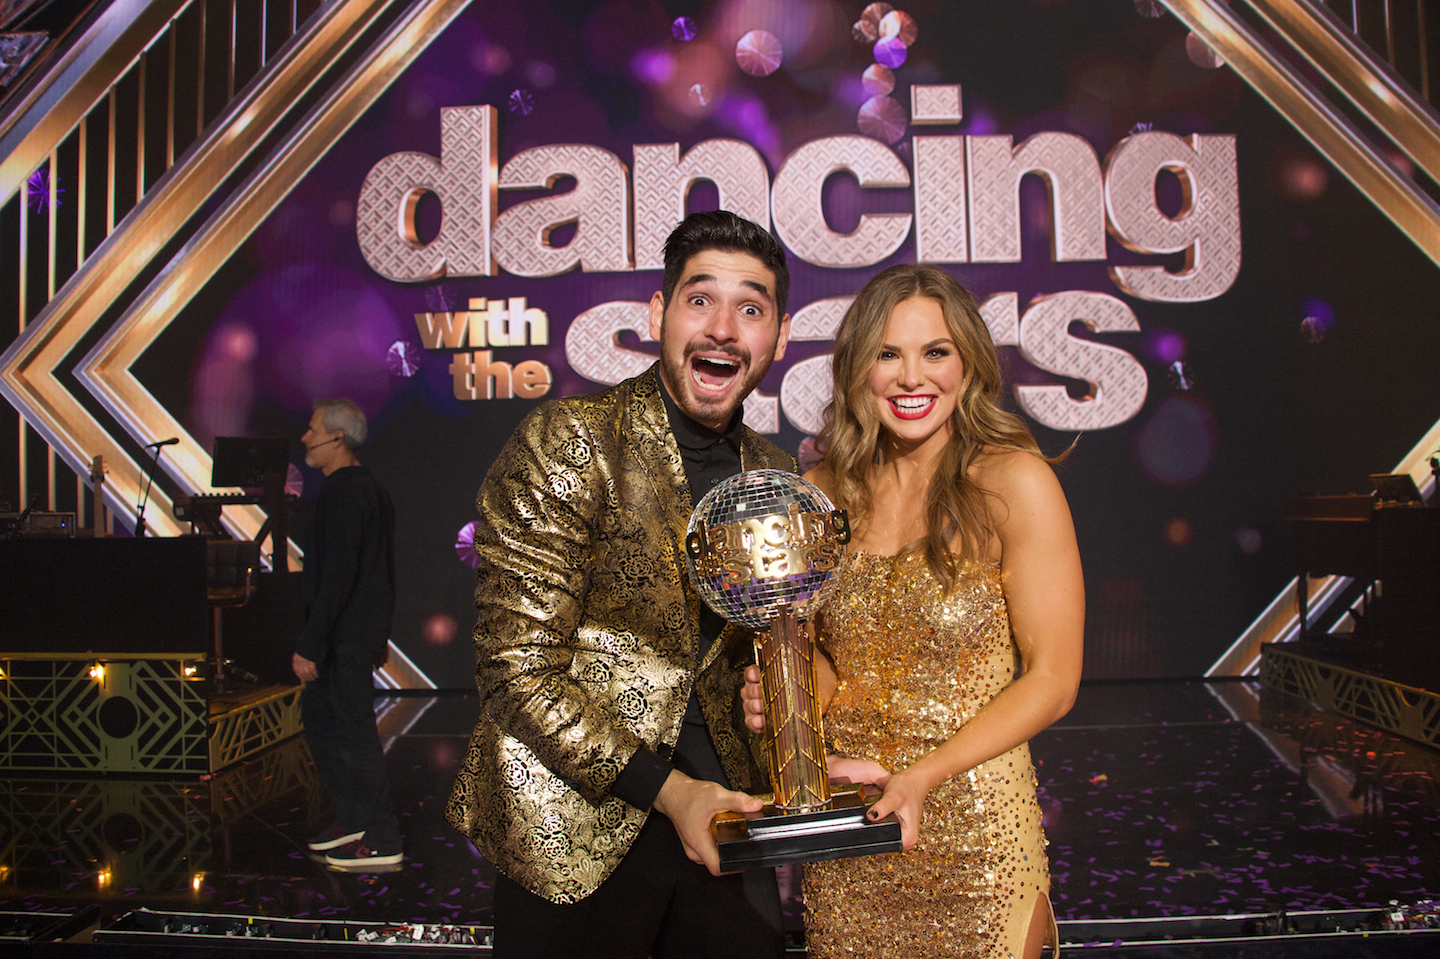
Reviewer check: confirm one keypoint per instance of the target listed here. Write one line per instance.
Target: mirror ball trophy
(762, 547)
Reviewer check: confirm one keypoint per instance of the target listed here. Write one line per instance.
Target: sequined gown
(914, 666)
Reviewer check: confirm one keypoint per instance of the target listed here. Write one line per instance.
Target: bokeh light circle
(1200, 53)
(878, 81)
(522, 102)
(439, 629)
(239, 342)
(759, 53)
(1179, 532)
(403, 358)
(465, 545)
(1304, 179)
(882, 118)
(294, 481)
(1319, 318)
(872, 15)
(1178, 444)
(891, 52)
(683, 29)
(899, 25)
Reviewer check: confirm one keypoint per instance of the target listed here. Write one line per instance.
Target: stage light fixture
(97, 672)
(103, 877)
(196, 881)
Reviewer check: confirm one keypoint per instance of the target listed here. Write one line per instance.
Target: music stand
(248, 462)
(1393, 489)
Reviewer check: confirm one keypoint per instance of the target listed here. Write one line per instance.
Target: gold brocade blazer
(587, 642)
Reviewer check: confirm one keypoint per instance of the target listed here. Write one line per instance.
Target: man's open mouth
(713, 372)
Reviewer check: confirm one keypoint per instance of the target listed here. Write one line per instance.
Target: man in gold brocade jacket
(610, 732)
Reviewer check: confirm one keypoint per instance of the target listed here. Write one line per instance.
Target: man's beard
(708, 410)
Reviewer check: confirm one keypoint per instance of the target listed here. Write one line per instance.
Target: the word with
(476, 374)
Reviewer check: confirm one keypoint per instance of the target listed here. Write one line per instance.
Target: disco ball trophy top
(762, 547)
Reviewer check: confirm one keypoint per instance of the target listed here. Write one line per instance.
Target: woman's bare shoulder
(995, 468)
(823, 478)
(1019, 479)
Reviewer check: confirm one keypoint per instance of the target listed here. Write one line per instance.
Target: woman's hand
(850, 770)
(904, 795)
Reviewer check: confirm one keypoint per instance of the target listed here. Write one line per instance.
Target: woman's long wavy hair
(853, 440)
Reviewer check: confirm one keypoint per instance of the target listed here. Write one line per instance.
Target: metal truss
(1402, 710)
(253, 725)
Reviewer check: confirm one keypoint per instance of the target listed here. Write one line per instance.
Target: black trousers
(338, 710)
(657, 904)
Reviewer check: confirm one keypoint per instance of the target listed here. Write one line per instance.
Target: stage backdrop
(1174, 276)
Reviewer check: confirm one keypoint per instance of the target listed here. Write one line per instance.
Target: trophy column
(792, 713)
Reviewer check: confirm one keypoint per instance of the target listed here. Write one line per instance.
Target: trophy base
(774, 837)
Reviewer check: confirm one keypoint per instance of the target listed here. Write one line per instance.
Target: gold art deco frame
(30, 369)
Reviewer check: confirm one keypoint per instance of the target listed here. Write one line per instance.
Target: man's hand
(752, 694)
(691, 805)
(305, 670)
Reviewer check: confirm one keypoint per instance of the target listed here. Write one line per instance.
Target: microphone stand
(145, 498)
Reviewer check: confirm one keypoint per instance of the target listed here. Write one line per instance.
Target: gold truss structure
(1368, 83)
(241, 729)
(1402, 710)
(1373, 88)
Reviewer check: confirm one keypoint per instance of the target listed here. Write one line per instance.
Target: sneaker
(358, 854)
(336, 835)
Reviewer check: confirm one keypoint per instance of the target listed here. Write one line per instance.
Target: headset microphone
(333, 439)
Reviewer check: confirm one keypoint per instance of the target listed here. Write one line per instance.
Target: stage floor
(1160, 799)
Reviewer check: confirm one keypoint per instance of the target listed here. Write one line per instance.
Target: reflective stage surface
(1160, 799)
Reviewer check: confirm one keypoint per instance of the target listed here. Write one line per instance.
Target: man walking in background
(349, 592)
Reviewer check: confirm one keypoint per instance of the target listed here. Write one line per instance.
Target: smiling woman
(954, 634)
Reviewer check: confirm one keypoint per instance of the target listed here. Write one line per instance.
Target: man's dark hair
(723, 230)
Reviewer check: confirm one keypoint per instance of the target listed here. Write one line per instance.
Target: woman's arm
(1045, 594)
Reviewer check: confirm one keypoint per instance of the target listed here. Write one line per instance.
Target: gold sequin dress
(915, 665)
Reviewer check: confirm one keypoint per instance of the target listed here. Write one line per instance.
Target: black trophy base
(773, 837)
